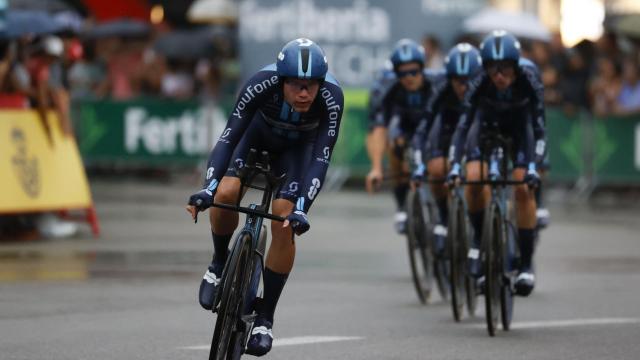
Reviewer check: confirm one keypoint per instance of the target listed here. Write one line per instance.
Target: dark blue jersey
(525, 94)
(389, 99)
(262, 99)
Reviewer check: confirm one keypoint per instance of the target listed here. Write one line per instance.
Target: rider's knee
(436, 168)
(228, 191)
(523, 193)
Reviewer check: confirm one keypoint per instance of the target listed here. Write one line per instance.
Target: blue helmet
(302, 59)
(500, 45)
(407, 51)
(462, 60)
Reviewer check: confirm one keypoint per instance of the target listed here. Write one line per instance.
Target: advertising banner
(39, 171)
(357, 36)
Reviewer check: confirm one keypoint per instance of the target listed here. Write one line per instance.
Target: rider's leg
(526, 218)
(478, 197)
(278, 266)
(399, 170)
(437, 168)
(223, 223)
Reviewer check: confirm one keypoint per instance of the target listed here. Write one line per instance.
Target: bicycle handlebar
(249, 211)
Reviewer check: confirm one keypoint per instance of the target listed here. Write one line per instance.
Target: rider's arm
(538, 114)
(466, 118)
(246, 106)
(376, 145)
(323, 147)
(432, 107)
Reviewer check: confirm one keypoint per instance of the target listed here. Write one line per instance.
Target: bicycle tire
(231, 300)
(440, 265)
(456, 259)
(418, 244)
(469, 281)
(492, 268)
(506, 290)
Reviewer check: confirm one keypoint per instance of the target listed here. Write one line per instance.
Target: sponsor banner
(357, 36)
(616, 149)
(146, 132)
(40, 171)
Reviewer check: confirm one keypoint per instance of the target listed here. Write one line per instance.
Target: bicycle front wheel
(231, 301)
(457, 257)
(419, 246)
(492, 266)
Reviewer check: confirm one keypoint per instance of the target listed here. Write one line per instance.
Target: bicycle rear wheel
(492, 267)
(235, 279)
(457, 257)
(419, 246)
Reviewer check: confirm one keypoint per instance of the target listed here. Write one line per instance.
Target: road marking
(569, 323)
(298, 340)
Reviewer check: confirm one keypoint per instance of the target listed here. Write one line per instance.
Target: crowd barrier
(41, 168)
(153, 132)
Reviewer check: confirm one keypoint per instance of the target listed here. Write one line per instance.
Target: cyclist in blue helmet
(400, 94)
(434, 132)
(508, 97)
(292, 109)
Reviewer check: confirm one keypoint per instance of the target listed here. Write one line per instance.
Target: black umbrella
(120, 28)
(185, 45)
(27, 22)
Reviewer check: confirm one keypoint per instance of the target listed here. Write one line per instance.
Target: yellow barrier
(40, 171)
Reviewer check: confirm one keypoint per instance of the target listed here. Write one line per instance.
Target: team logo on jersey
(313, 190)
(210, 172)
(226, 132)
(293, 187)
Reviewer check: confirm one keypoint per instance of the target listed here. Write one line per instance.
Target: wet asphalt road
(132, 293)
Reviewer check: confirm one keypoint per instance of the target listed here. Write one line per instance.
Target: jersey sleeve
(469, 105)
(333, 99)
(538, 114)
(253, 93)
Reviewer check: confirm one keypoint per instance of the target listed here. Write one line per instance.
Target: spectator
(178, 82)
(435, 57)
(605, 87)
(575, 77)
(628, 100)
(86, 74)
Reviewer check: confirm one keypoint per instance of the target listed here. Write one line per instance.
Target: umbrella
(185, 45)
(120, 28)
(213, 11)
(28, 22)
(629, 25)
(41, 5)
(519, 24)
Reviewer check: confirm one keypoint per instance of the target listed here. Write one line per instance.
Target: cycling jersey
(518, 111)
(398, 109)
(301, 143)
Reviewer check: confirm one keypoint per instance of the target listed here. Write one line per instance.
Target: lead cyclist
(292, 109)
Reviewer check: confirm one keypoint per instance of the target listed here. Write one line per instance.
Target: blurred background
(144, 87)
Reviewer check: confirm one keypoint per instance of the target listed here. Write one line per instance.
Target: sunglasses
(299, 85)
(504, 68)
(406, 73)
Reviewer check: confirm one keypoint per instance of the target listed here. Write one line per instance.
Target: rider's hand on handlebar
(532, 178)
(298, 221)
(201, 200)
(418, 175)
(373, 180)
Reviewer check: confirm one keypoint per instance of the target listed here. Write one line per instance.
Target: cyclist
(399, 98)
(443, 112)
(507, 96)
(292, 109)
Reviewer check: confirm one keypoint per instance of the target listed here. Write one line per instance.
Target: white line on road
(299, 340)
(569, 323)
